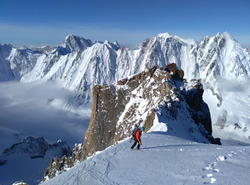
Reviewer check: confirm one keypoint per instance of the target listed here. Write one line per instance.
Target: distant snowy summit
(192, 57)
(28, 159)
(35, 148)
(80, 63)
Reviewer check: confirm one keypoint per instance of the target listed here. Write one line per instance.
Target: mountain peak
(228, 36)
(114, 45)
(76, 43)
(225, 35)
(218, 34)
(164, 35)
(29, 146)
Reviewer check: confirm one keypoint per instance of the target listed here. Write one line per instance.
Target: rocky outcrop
(147, 95)
(199, 109)
(115, 109)
(58, 166)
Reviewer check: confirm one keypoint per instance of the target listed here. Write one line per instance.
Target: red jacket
(138, 135)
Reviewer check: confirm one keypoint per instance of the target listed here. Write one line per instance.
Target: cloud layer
(25, 110)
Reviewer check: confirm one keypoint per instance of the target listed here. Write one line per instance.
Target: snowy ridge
(166, 102)
(169, 153)
(35, 148)
(164, 159)
(152, 94)
(80, 63)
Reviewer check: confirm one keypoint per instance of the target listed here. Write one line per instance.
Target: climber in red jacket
(137, 138)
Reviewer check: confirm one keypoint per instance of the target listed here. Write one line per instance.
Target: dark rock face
(149, 120)
(199, 109)
(194, 96)
(176, 73)
(201, 112)
(171, 68)
(107, 104)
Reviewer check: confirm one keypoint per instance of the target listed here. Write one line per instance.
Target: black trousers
(135, 142)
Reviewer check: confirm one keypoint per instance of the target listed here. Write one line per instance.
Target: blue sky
(127, 21)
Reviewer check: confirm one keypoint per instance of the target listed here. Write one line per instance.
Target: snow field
(163, 159)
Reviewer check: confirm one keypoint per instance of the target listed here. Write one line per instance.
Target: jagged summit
(76, 43)
(114, 45)
(29, 158)
(169, 36)
(35, 148)
(226, 35)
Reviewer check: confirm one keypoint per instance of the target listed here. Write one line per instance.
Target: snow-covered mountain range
(221, 53)
(79, 63)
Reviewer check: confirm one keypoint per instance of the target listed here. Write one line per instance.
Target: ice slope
(163, 159)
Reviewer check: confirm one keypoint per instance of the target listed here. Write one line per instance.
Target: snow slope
(164, 159)
(170, 154)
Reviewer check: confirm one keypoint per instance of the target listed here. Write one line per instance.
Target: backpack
(135, 130)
